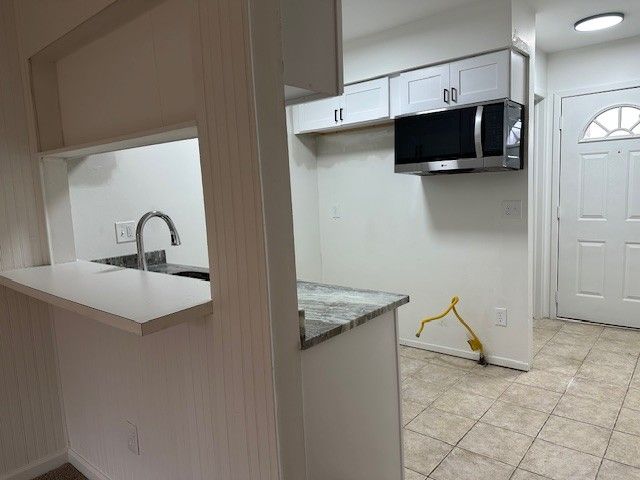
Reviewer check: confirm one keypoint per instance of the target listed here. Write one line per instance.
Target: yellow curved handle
(451, 306)
(474, 342)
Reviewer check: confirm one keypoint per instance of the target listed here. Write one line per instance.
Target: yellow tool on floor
(474, 341)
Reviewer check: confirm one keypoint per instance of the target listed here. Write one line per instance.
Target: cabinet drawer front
(481, 78)
(366, 101)
(420, 90)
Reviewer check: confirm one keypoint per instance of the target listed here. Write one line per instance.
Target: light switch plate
(132, 439)
(125, 232)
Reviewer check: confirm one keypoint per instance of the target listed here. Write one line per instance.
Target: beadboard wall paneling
(158, 383)
(22, 233)
(230, 159)
(202, 393)
(31, 418)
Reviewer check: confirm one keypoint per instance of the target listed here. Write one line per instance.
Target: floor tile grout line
(616, 421)
(547, 420)
(510, 381)
(457, 445)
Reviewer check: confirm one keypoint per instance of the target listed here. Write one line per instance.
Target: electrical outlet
(125, 232)
(132, 439)
(501, 316)
(335, 212)
(512, 209)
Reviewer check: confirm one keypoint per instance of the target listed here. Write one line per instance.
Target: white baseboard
(85, 467)
(37, 468)
(492, 359)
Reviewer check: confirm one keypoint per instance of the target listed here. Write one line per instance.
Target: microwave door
(492, 134)
(461, 134)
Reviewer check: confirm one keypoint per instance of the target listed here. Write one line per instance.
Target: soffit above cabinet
(128, 67)
(312, 49)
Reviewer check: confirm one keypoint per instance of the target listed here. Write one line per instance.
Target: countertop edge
(157, 323)
(306, 343)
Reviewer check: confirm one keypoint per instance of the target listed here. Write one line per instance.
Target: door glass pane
(609, 119)
(595, 131)
(617, 122)
(629, 118)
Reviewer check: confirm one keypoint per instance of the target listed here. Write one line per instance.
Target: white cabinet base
(352, 404)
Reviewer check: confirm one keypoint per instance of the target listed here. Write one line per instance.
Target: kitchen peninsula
(349, 358)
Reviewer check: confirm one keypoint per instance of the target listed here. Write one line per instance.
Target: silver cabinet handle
(446, 95)
(454, 94)
(477, 132)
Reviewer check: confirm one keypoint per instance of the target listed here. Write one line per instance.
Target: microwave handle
(477, 132)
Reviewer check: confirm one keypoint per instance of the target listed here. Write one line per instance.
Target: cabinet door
(420, 90)
(481, 78)
(366, 101)
(317, 115)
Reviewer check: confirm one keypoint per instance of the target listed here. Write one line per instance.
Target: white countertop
(136, 301)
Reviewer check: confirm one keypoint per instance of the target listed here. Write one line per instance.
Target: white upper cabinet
(484, 78)
(360, 104)
(366, 102)
(478, 79)
(492, 76)
(419, 90)
(317, 115)
(311, 48)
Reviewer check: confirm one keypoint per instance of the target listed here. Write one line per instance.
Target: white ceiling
(554, 20)
(364, 17)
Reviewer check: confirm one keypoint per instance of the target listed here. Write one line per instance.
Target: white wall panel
(593, 190)
(31, 419)
(633, 187)
(201, 394)
(631, 285)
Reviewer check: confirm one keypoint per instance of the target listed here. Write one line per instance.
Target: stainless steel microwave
(479, 138)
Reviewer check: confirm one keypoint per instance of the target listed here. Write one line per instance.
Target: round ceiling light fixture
(599, 22)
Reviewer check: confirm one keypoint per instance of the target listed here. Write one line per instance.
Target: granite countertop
(329, 310)
(325, 311)
(156, 262)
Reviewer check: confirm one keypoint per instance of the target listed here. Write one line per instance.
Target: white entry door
(599, 227)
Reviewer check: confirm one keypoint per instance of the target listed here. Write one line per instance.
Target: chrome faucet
(175, 238)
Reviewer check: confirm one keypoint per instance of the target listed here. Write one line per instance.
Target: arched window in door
(619, 121)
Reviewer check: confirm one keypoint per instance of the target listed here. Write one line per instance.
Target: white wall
(474, 28)
(122, 186)
(598, 65)
(304, 200)
(435, 237)
(431, 238)
(541, 73)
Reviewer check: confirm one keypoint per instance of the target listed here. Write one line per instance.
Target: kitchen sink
(191, 274)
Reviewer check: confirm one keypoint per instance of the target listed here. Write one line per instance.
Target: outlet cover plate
(512, 209)
(125, 232)
(132, 438)
(501, 316)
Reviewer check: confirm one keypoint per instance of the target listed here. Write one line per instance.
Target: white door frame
(550, 282)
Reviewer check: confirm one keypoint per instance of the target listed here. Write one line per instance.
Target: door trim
(550, 283)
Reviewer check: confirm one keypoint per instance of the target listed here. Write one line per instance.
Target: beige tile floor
(574, 416)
